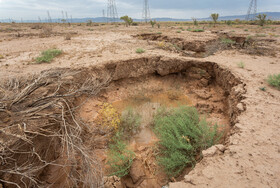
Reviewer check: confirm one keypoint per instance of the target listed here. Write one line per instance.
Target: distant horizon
(178, 9)
(75, 18)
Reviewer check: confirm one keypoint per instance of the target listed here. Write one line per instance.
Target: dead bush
(36, 26)
(46, 32)
(41, 140)
(68, 36)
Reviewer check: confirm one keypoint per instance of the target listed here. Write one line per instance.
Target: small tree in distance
(153, 22)
(194, 21)
(128, 21)
(215, 17)
(262, 19)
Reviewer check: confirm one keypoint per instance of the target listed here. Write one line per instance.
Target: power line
(146, 11)
(49, 17)
(112, 14)
(252, 10)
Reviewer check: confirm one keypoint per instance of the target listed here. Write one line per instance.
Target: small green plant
(215, 18)
(128, 21)
(263, 88)
(274, 80)
(140, 50)
(229, 22)
(48, 55)
(245, 29)
(248, 38)
(119, 157)
(89, 23)
(153, 23)
(159, 33)
(195, 21)
(241, 65)
(158, 25)
(227, 41)
(260, 35)
(182, 134)
(130, 123)
(179, 31)
(198, 30)
(189, 29)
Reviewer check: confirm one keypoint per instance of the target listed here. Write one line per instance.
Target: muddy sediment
(212, 89)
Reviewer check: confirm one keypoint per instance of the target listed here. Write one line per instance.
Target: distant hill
(270, 15)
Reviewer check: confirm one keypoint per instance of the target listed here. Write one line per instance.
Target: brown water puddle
(146, 107)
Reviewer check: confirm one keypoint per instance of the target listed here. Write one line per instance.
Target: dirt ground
(252, 152)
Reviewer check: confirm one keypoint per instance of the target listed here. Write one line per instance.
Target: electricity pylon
(252, 10)
(146, 11)
(112, 14)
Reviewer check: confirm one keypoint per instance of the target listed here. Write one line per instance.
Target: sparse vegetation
(241, 65)
(140, 50)
(153, 23)
(89, 23)
(182, 134)
(261, 19)
(68, 36)
(119, 157)
(263, 88)
(229, 22)
(179, 31)
(274, 80)
(195, 21)
(227, 41)
(128, 21)
(108, 117)
(198, 30)
(260, 35)
(130, 123)
(48, 55)
(215, 18)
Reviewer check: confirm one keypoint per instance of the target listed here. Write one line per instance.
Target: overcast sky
(31, 9)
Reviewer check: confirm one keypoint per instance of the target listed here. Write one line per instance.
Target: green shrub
(119, 157)
(262, 88)
(153, 22)
(182, 136)
(130, 123)
(274, 80)
(48, 55)
(128, 21)
(229, 22)
(198, 30)
(260, 35)
(227, 41)
(241, 65)
(140, 50)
